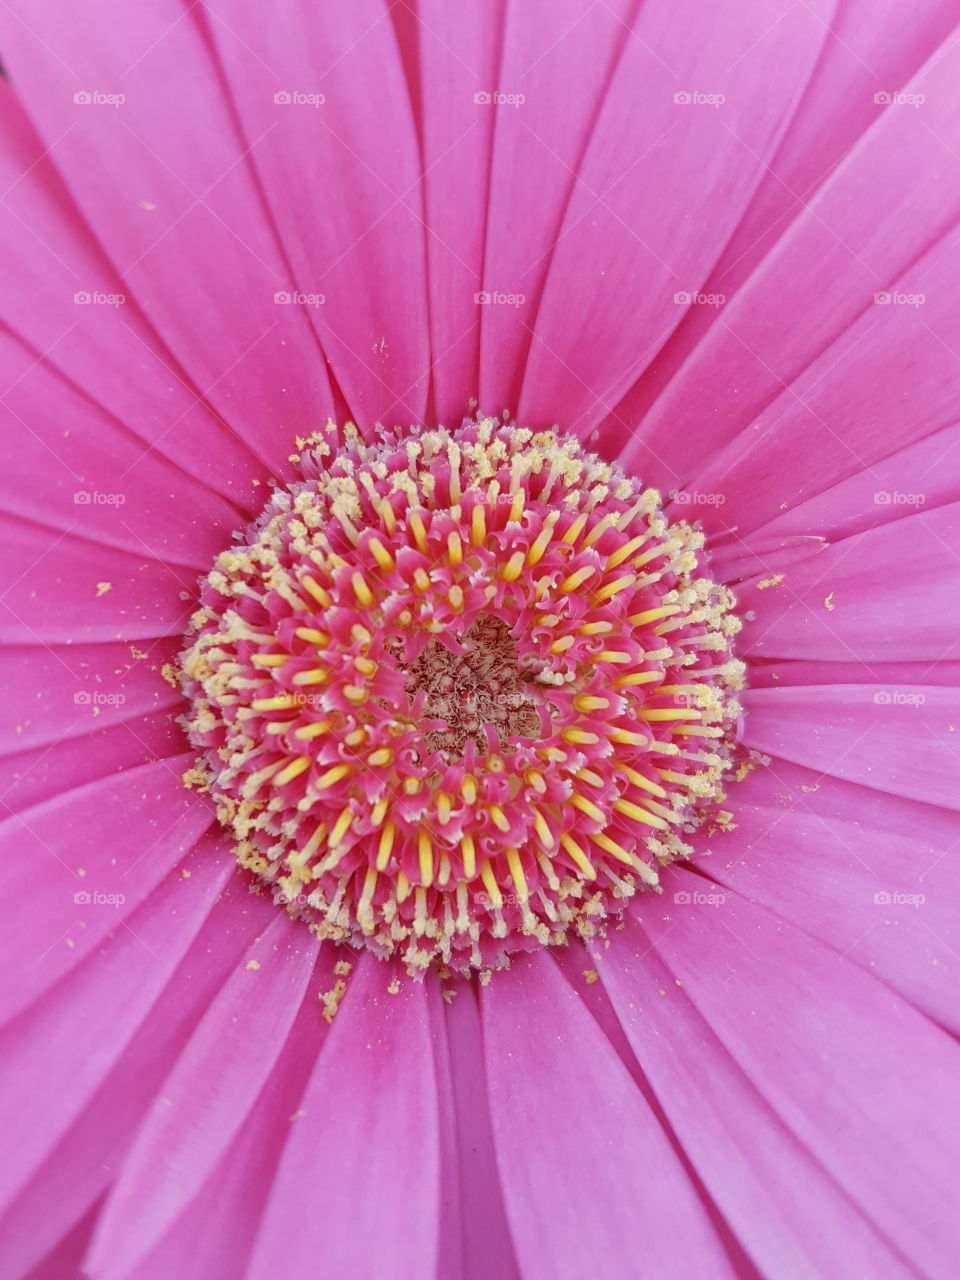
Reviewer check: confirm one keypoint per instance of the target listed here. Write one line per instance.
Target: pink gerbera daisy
(481, 763)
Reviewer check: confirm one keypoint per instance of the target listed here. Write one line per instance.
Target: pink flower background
(718, 243)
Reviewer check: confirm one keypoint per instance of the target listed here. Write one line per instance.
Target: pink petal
(624, 253)
(371, 1103)
(344, 182)
(207, 1097)
(880, 596)
(202, 259)
(855, 1074)
(590, 1181)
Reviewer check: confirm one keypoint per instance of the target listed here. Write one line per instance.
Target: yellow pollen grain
(490, 883)
(575, 580)
(293, 770)
(513, 568)
(425, 857)
(578, 856)
(382, 556)
(516, 873)
(319, 593)
(385, 847)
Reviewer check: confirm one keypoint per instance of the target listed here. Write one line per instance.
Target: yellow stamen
(469, 853)
(478, 524)
(653, 615)
(382, 556)
(575, 580)
(341, 826)
(589, 702)
(579, 736)
(385, 847)
(320, 594)
(626, 551)
(490, 883)
(454, 547)
(313, 730)
(282, 702)
(500, 819)
(631, 810)
(588, 807)
(512, 570)
(583, 863)
(268, 659)
(293, 770)
(331, 776)
(382, 756)
(312, 636)
(415, 520)
(614, 588)
(425, 854)
(363, 593)
(516, 873)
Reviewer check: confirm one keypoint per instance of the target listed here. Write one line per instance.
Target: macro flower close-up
(480, 638)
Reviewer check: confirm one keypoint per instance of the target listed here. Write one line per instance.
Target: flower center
(458, 693)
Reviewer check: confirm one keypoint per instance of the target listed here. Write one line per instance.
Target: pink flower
(718, 248)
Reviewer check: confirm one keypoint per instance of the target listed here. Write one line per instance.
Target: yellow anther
(614, 588)
(653, 615)
(590, 702)
(363, 593)
(600, 528)
(490, 883)
(579, 737)
(639, 814)
(364, 915)
(314, 730)
(612, 655)
(538, 548)
(293, 770)
(563, 644)
(468, 789)
(386, 513)
(316, 675)
(382, 756)
(628, 738)
(637, 677)
(516, 507)
(604, 842)
(354, 693)
(512, 570)
(425, 856)
(588, 807)
(356, 737)
(444, 808)
(454, 547)
(403, 887)
(385, 847)
(626, 551)
(576, 580)
(499, 818)
(478, 524)
(542, 828)
(419, 530)
(536, 780)
(282, 702)
(469, 852)
(596, 628)
(669, 713)
(341, 826)
(455, 596)
(578, 856)
(320, 594)
(516, 873)
(312, 636)
(382, 556)
(576, 528)
(590, 778)
(640, 780)
(379, 812)
(268, 659)
(366, 666)
(421, 579)
(331, 776)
